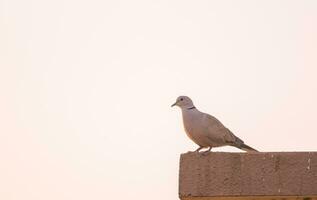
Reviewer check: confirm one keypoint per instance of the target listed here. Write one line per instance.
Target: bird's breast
(194, 129)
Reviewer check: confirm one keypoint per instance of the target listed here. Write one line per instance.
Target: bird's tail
(246, 148)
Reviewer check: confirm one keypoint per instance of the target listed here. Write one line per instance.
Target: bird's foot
(207, 151)
(197, 150)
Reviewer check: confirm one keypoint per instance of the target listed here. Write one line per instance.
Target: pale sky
(86, 89)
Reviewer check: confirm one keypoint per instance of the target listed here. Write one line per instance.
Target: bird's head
(183, 102)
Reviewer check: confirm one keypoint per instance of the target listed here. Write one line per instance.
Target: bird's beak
(174, 104)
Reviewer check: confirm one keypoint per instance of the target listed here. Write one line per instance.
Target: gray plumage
(205, 130)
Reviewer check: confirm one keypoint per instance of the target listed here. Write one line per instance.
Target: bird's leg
(199, 148)
(208, 150)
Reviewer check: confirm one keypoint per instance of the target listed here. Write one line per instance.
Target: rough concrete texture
(218, 174)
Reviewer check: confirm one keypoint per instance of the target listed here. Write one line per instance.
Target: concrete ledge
(253, 198)
(228, 176)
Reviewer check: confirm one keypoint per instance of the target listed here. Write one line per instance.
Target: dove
(206, 130)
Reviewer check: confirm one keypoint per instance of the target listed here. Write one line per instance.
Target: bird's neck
(190, 107)
(189, 113)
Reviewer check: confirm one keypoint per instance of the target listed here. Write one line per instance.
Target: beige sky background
(86, 89)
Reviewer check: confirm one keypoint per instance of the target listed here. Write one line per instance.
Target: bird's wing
(218, 132)
(233, 139)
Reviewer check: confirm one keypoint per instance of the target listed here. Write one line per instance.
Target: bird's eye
(182, 99)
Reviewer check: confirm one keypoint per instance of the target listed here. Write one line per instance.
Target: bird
(206, 130)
